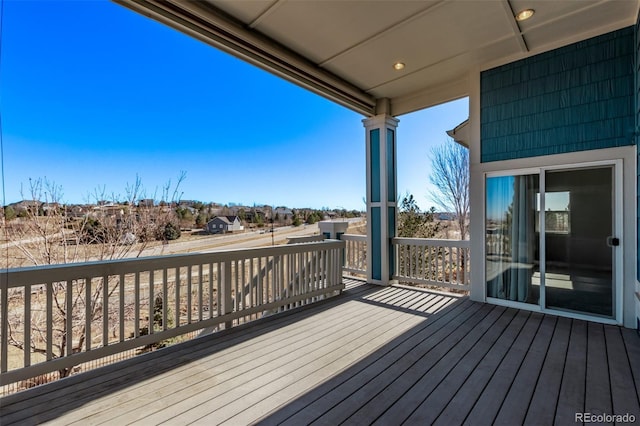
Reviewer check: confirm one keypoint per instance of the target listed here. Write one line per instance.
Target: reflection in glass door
(512, 255)
(578, 226)
(571, 267)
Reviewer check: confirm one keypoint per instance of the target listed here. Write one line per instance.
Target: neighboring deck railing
(72, 314)
(442, 263)
(355, 258)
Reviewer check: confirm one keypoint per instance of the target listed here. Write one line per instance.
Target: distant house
(24, 206)
(445, 216)
(146, 202)
(224, 224)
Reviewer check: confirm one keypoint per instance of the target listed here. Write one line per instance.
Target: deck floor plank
(329, 394)
(516, 403)
(375, 401)
(459, 406)
(624, 400)
(488, 405)
(190, 375)
(434, 390)
(372, 354)
(200, 404)
(632, 345)
(542, 407)
(597, 397)
(572, 389)
(223, 384)
(299, 382)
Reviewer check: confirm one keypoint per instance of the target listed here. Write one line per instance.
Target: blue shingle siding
(575, 98)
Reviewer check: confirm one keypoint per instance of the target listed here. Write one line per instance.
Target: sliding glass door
(578, 229)
(512, 250)
(550, 237)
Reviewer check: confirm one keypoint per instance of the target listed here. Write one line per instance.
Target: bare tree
(51, 233)
(450, 176)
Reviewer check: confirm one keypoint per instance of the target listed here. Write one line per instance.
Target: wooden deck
(370, 356)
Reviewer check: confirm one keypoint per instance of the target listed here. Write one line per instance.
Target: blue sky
(93, 94)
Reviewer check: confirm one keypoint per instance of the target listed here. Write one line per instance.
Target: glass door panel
(578, 223)
(512, 245)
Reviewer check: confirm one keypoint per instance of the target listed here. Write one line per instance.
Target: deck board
(624, 400)
(597, 395)
(572, 389)
(371, 355)
(542, 407)
(326, 396)
(514, 407)
(459, 406)
(489, 403)
(432, 396)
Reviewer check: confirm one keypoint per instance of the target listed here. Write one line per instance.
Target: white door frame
(617, 255)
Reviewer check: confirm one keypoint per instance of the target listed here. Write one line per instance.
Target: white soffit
(345, 49)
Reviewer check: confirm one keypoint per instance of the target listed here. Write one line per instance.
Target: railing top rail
(431, 242)
(353, 237)
(18, 277)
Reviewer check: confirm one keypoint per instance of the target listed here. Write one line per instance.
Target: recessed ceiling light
(523, 15)
(398, 66)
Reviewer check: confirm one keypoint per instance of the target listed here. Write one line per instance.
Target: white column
(381, 196)
(476, 193)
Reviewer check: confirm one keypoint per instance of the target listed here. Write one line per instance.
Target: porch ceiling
(345, 50)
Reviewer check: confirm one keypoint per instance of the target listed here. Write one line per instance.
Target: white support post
(381, 194)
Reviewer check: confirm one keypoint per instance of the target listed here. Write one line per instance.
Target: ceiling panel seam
(517, 31)
(441, 61)
(268, 11)
(381, 33)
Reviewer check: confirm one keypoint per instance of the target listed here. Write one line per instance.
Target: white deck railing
(442, 263)
(355, 258)
(61, 316)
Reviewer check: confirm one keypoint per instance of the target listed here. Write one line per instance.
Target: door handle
(613, 241)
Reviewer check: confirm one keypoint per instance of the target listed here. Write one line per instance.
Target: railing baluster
(136, 308)
(69, 317)
(49, 321)
(4, 338)
(200, 292)
(274, 296)
(189, 294)
(219, 284)
(260, 295)
(88, 308)
(236, 295)
(165, 297)
(210, 290)
(251, 286)
(244, 283)
(27, 326)
(151, 300)
(177, 301)
(226, 299)
(121, 285)
(105, 310)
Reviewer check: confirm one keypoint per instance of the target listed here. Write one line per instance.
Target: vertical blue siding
(374, 138)
(391, 166)
(376, 252)
(575, 98)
